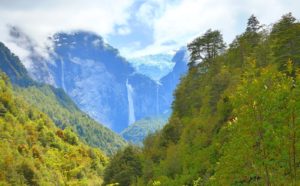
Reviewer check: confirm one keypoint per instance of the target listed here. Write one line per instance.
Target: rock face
(163, 99)
(171, 80)
(94, 75)
(101, 82)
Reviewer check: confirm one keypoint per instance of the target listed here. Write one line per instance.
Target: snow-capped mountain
(100, 81)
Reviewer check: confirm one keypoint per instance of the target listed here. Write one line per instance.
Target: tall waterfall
(62, 75)
(157, 96)
(131, 116)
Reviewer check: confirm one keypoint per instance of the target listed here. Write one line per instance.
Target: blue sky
(137, 27)
(161, 25)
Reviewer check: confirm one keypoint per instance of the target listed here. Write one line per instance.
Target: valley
(149, 93)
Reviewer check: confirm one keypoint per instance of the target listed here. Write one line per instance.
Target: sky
(136, 27)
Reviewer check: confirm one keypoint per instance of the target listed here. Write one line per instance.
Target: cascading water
(131, 116)
(62, 75)
(157, 101)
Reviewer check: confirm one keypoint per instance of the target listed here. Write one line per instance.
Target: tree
(124, 168)
(285, 22)
(285, 41)
(206, 47)
(253, 24)
(262, 148)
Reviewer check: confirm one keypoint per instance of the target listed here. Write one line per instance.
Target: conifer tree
(206, 47)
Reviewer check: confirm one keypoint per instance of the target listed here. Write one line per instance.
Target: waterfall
(131, 116)
(62, 75)
(157, 96)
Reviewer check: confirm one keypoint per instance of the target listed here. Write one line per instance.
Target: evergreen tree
(285, 41)
(253, 24)
(206, 47)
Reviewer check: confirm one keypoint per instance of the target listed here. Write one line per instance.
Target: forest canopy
(236, 114)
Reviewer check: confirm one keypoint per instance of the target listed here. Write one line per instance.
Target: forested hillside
(57, 105)
(235, 116)
(35, 152)
(61, 109)
(137, 131)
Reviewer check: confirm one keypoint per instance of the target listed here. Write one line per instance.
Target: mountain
(35, 152)
(36, 61)
(94, 75)
(13, 68)
(101, 82)
(144, 126)
(58, 105)
(153, 66)
(169, 82)
(157, 96)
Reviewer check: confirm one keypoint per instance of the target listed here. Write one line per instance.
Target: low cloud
(40, 19)
(171, 23)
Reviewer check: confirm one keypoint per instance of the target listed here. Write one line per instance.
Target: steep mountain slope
(35, 152)
(98, 79)
(171, 80)
(10, 64)
(136, 132)
(61, 109)
(65, 114)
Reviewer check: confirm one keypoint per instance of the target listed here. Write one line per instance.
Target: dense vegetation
(57, 105)
(235, 116)
(124, 168)
(35, 152)
(139, 130)
(60, 108)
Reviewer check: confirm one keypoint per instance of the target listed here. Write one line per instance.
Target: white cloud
(181, 22)
(175, 22)
(41, 19)
(151, 10)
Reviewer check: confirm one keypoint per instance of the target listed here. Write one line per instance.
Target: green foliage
(253, 25)
(60, 108)
(57, 105)
(124, 168)
(33, 151)
(285, 41)
(206, 47)
(235, 117)
(137, 131)
(258, 151)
